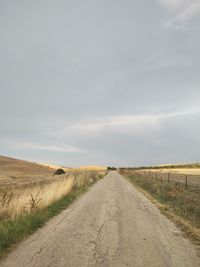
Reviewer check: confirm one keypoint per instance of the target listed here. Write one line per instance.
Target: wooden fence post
(186, 182)
(168, 177)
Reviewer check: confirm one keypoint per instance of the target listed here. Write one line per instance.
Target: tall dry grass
(18, 201)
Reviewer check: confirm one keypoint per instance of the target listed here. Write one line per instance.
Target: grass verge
(12, 231)
(180, 205)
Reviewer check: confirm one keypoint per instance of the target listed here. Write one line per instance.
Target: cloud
(52, 148)
(177, 5)
(180, 19)
(138, 123)
(86, 84)
(183, 11)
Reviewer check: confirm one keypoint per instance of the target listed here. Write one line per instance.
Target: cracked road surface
(111, 225)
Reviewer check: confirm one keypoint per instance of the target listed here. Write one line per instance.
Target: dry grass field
(176, 199)
(93, 168)
(14, 202)
(189, 171)
(55, 167)
(27, 199)
(178, 175)
(185, 173)
(30, 194)
(26, 187)
(14, 172)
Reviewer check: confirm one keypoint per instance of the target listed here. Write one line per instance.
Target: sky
(100, 82)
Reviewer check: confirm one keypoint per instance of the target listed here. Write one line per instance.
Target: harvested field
(189, 171)
(189, 181)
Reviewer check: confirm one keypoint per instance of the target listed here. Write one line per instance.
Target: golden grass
(26, 199)
(19, 172)
(189, 171)
(93, 168)
(55, 167)
(27, 186)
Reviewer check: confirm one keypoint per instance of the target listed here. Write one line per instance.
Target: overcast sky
(108, 82)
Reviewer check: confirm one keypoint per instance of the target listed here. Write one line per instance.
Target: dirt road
(111, 225)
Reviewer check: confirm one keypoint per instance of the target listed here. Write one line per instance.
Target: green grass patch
(12, 231)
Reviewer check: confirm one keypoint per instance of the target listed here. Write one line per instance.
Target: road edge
(188, 231)
(27, 225)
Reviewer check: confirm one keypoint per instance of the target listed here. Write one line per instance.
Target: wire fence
(188, 181)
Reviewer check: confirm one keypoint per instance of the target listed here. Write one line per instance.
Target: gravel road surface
(113, 224)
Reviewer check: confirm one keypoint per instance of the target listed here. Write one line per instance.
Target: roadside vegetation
(59, 172)
(24, 209)
(178, 203)
(168, 166)
(111, 168)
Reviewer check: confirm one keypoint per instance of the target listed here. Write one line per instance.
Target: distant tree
(111, 168)
(59, 172)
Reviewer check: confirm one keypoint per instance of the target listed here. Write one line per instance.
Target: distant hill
(180, 165)
(8, 164)
(55, 167)
(93, 167)
(15, 170)
(18, 172)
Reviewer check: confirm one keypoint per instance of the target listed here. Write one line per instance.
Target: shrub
(59, 172)
(111, 168)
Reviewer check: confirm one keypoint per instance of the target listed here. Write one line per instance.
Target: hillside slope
(21, 171)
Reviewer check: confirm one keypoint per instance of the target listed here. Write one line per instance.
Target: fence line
(189, 182)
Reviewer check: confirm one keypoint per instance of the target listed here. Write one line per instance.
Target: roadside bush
(111, 168)
(59, 172)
